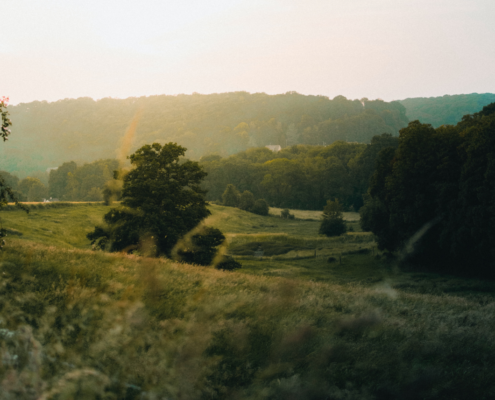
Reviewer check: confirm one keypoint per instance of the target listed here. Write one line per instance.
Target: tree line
(432, 198)
(68, 182)
(445, 110)
(299, 176)
(85, 130)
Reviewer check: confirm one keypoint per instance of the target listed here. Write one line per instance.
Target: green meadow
(83, 324)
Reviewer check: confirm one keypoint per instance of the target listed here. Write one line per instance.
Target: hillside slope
(44, 135)
(445, 110)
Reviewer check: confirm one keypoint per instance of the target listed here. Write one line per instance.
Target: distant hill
(44, 135)
(445, 110)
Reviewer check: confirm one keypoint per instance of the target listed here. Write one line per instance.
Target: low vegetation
(81, 324)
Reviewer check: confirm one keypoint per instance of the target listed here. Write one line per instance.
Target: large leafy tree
(161, 201)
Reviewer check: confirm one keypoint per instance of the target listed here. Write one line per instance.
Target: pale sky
(388, 49)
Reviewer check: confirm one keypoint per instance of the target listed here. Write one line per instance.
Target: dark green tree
(246, 201)
(260, 207)
(432, 198)
(231, 196)
(333, 223)
(161, 201)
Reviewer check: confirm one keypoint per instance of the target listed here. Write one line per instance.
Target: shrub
(333, 221)
(285, 213)
(228, 264)
(260, 207)
(202, 246)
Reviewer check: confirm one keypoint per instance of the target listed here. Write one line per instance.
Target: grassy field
(79, 324)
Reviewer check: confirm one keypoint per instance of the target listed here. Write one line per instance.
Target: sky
(387, 49)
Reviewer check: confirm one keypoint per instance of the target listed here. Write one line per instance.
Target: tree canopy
(433, 197)
(85, 130)
(300, 176)
(333, 223)
(445, 110)
(161, 201)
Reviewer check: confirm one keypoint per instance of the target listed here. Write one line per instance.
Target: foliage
(231, 196)
(6, 192)
(112, 191)
(260, 207)
(246, 201)
(5, 120)
(201, 247)
(48, 134)
(433, 197)
(58, 180)
(32, 189)
(84, 183)
(332, 223)
(227, 263)
(285, 213)
(11, 182)
(445, 110)
(161, 201)
(302, 177)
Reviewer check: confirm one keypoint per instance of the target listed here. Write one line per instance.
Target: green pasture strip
(56, 224)
(234, 220)
(361, 269)
(312, 214)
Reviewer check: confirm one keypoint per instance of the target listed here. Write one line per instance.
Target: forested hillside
(445, 110)
(45, 135)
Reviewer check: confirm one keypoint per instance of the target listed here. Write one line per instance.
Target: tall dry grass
(77, 324)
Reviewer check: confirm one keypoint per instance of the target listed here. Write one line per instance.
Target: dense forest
(329, 147)
(301, 176)
(433, 196)
(45, 135)
(445, 110)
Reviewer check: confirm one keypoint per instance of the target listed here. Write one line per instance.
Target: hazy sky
(389, 49)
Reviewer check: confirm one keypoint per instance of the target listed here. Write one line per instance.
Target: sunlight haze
(57, 49)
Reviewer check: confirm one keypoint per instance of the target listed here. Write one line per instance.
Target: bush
(285, 213)
(332, 227)
(260, 207)
(333, 223)
(202, 247)
(228, 264)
